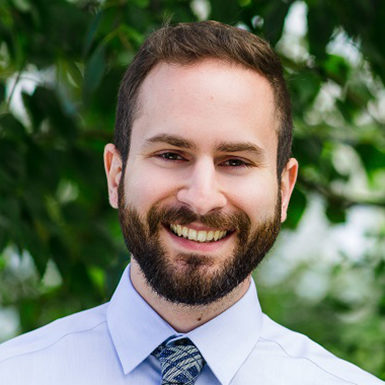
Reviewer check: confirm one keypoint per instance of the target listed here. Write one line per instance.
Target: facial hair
(196, 283)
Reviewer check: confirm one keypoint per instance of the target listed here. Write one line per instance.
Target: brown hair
(187, 43)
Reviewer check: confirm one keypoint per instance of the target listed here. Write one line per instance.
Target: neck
(184, 318)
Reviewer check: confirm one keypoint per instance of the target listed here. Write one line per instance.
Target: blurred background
(61, 249)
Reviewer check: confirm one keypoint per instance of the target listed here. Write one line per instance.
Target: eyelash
(169, 155)
(241, 163)
(173, 156)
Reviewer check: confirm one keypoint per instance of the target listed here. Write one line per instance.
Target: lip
(198, 246)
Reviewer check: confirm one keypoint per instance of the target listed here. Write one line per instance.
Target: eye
(171, 156)
(235, 162)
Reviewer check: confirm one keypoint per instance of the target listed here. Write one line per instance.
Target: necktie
(181, 362)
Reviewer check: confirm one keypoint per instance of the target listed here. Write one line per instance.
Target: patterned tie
(181, 362)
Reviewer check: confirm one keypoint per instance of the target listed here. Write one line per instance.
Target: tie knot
(180, 362)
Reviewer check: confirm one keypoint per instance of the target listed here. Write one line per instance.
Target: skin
(205, 137)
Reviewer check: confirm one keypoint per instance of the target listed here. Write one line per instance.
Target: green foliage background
(53, 206)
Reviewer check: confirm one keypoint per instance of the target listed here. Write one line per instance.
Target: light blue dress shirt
(112, 344)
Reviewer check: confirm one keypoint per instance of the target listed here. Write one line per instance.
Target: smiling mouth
(198, 235)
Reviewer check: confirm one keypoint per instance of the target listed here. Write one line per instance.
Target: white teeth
(199, 236)
(202, 236)
(192, 234)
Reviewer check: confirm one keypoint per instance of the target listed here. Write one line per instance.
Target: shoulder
(299, 356)
(53, 335)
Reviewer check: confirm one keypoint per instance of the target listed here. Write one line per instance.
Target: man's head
(200, 194)
(189, 43)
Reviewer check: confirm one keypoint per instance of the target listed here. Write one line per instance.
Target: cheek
(144, 188)
(257, 198)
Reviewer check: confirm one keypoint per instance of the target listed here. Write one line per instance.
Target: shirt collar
(224, 342)
(134, 326)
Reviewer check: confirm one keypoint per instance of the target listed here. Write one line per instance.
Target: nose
(201, 191)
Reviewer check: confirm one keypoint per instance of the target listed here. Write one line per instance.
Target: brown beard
(195, 283)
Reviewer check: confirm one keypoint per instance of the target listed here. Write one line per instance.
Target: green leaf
(89, 38)
(321, 24)
(94, 71)
(2, 91)
(336, 67)
(307, 149)
(275, 15)
(372, 157)
(335, 213)
(11, 128)
(74, 73)
(29, 312)
(22, 5)
(229, 14)
(297, 206)
(304, 87)
(141, 3)
(44, 105)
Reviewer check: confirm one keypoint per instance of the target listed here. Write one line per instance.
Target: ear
(113, 167)
(288, 179)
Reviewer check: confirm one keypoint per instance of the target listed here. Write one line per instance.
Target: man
(202, 176)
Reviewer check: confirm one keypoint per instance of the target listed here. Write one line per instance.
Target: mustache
(183, 215)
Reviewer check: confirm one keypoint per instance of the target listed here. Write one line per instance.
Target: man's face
(199, 202)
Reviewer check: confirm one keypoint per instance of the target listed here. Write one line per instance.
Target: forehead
(211, 98)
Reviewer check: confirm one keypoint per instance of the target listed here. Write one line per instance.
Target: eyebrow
(241, 147)
(231, 147)
(173, 140)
